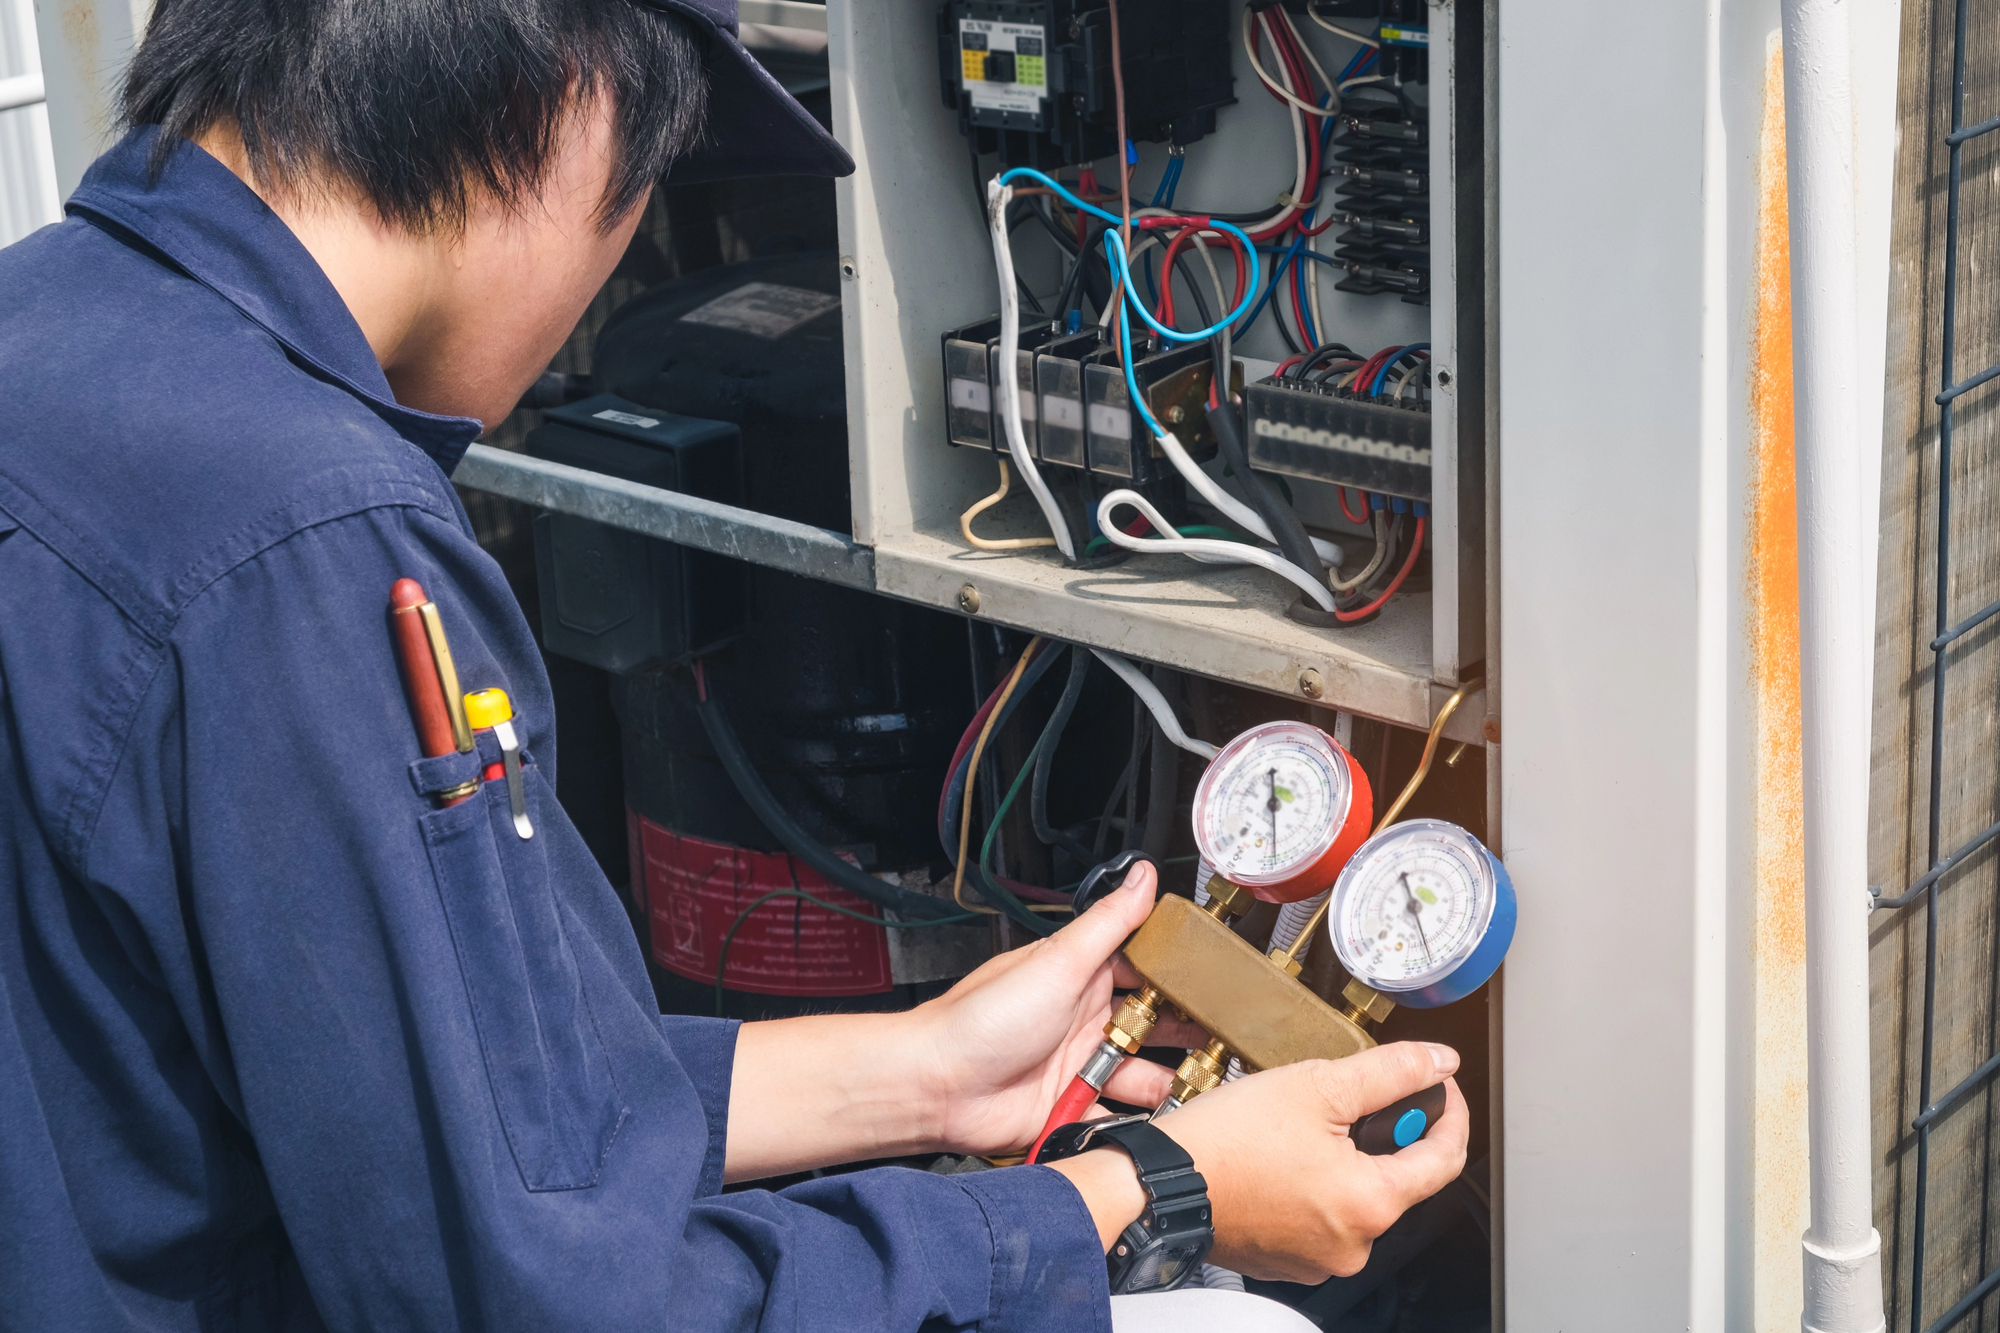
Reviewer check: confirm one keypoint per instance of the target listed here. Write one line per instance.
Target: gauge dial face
(1412, 905)
(1270, 804)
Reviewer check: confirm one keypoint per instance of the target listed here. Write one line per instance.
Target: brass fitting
(1226, 900)
(1365, 1004)
(1290, 965)
(1132, 1021)
(1202, 1070)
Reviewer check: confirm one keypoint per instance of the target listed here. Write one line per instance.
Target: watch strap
(1166, 1172)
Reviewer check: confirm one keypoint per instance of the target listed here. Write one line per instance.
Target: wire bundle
(1022, 903)
(1313, 101)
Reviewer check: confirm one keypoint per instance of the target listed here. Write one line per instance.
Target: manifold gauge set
(1421, 911)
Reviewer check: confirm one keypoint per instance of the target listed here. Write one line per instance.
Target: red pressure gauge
(1280, 810)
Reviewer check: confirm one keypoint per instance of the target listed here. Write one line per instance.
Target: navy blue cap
(754, 127)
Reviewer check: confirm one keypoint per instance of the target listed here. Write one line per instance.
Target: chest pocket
(553, 1086)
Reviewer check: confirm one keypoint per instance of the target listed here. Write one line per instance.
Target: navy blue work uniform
(282, 1044)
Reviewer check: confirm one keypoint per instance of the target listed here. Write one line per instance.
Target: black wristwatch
(1166, 1246)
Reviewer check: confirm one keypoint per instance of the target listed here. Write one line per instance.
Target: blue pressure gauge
(1423, 913)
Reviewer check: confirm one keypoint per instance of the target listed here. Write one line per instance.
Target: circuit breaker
(1032, 80)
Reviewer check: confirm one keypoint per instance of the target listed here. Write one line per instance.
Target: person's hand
(1293, 1198)
(1000, 1046)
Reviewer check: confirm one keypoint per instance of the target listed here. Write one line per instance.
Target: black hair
(421, 104)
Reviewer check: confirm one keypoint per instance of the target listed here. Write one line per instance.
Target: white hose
(1216, 552)
(1009, 393)
(1156, 703)
(1232, 508)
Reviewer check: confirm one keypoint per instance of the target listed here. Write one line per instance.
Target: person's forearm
(810, 1092)
(1110, 1189)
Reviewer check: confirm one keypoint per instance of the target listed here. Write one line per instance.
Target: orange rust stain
(1773, 558)
(1778, 1136)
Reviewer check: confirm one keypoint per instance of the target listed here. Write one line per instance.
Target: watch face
(1159, 1265)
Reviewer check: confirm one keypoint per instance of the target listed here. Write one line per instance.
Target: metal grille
(1949, 801)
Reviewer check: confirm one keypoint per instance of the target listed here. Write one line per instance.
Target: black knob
(1399, 1124)
(1107, 876)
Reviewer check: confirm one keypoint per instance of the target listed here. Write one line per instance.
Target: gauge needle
(1272, 806)
(1416, 911)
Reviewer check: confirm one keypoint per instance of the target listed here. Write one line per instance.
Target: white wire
(1311, 59)
(1338, 31)
(1009, 393)
(1239, 513)
(1313, 267)
(1149, 694)
(1250, 50)
(1220, 552)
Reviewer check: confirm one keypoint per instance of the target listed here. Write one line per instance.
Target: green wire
(729, 936)
(1098, 543)
(988, 879)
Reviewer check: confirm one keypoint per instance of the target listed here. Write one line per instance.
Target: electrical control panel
(1035, 395)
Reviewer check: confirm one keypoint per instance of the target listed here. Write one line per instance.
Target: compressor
(846, 705)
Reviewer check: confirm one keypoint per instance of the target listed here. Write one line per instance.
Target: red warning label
(692, 891)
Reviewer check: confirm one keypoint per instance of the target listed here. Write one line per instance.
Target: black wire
(1163, 778)
(795, 839)
(1313, 358)
(1111, 806)
(1142, 736)
(1038, 793)
(1290, 534)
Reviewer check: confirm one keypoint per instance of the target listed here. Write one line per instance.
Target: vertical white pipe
(1842, 1250)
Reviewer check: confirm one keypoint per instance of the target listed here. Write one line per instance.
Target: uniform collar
(210, 224)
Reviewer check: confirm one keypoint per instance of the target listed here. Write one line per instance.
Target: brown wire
(972, 777)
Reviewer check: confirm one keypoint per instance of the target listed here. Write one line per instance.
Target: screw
(1311, 684)
(968, 600)
(848, 268)
(1490, 729)
(1444, 378)
(1177, 414)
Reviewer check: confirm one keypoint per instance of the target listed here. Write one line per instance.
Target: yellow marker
(492, 709)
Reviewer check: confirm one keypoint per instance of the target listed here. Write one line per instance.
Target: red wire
(1287, 364)
(1069, 1108)
(1409, 562)
(1284, 221)
(1340, 493)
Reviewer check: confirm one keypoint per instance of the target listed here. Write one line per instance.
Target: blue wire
(1277, 276)
(1123, 261)
(1375, 389)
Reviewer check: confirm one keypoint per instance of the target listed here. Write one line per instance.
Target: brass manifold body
(1252, 1005)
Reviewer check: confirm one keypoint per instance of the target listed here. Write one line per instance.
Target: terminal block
(1312, 430)
(1382, 196)
(1076, 407)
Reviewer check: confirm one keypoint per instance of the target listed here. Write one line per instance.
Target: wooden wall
(1962, 1241)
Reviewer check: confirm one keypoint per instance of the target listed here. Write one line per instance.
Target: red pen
(431, 679)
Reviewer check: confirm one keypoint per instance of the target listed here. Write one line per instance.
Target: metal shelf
(1220, 622)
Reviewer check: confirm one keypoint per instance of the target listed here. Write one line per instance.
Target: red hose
(1076, 1099)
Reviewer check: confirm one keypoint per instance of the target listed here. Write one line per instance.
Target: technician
(284, 1042)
